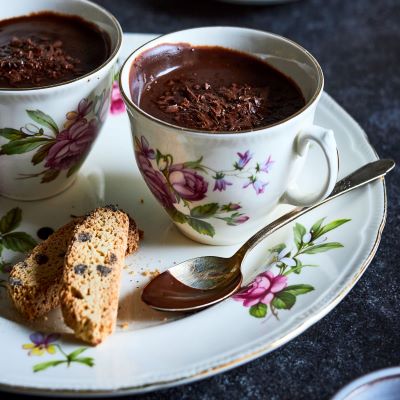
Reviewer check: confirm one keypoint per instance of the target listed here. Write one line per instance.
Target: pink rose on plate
(71, 145)
(262, 289)
(187, 183)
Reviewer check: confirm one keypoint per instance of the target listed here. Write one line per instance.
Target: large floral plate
(312, 265)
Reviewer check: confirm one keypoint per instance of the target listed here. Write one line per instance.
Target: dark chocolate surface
(212, 88)
(46, 48)
(357, 45)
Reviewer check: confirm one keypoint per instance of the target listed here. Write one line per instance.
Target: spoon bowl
(194, 284)
(208, 272)
(167, 293)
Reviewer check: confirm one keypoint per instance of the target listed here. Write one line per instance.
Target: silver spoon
(202, 281)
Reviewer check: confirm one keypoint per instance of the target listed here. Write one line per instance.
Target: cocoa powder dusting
(232, 108)
(35, 59)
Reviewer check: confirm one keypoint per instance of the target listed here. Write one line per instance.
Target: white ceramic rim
(195, 132)
(111, 58)
(366, 380)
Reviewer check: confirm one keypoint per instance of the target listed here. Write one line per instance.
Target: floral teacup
(218, 188)
(46, 133)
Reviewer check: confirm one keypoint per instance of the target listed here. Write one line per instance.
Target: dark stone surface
(358, 45)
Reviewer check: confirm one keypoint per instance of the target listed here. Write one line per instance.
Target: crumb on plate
(151, 274)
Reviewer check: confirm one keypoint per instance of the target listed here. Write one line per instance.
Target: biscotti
(34, 286)
(35, 283)
(92, 273)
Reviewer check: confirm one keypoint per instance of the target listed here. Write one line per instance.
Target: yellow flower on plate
(41, 344)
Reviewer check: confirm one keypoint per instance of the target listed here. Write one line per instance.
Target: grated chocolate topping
(35, 59)
(233, 108)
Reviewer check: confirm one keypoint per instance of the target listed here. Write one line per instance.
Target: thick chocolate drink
(47, 48)
(212, 88)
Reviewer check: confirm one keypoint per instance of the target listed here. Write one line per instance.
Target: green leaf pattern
(43, 119)
(204, 211)
(22, 146)
(66, 359)
(321, 248)
(11, 220)
(18, 241)
(12, 134)
(284, 300)
(259, 310)
(201, 226)
(10, 239)
(41, 134)
(269, 290)
(299, 231)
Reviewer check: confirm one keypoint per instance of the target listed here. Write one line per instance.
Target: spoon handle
(360, 177)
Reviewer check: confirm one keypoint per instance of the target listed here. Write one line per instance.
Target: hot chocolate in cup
(218, 173)
(54, 91)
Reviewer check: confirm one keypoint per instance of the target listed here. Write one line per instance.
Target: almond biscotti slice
(35, 285)
(92, 274)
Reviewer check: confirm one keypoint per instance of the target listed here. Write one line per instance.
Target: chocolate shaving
(32, 60)
(84, 237)
(112, 207)
(112, 258)
(103, 270)
(41, 259)
(233, 108)
(80, 269)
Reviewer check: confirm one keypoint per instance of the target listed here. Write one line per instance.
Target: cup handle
(326, 140)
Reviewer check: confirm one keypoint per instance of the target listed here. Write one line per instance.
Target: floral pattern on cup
(270, 290)
(58, 149)
(183, 184)
(42, 344)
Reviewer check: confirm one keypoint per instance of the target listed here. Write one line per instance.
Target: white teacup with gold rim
(47, 129)
(218, 187)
